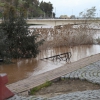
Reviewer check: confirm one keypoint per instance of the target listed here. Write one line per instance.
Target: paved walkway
(34, 81)
(25, 98)
(85, 95)
(90, 73)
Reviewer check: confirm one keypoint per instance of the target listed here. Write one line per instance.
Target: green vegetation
(32, 8)
(47, 9)
(36, 89)
(2, 4)
(15, 38)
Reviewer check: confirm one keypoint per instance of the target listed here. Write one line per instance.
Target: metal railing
(61, 57)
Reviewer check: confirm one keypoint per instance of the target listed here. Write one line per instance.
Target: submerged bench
(1, 60)
(64, 56)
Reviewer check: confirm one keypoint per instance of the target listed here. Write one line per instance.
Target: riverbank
(66, 86)
(36, 80)
(71, 87)
(83, 79)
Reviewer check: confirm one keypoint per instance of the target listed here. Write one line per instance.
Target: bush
(17, 41)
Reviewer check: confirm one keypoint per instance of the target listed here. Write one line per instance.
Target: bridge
(56, 22)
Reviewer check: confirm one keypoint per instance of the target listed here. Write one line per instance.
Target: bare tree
(89, 13)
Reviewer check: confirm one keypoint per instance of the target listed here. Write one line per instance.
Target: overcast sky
(69, 7)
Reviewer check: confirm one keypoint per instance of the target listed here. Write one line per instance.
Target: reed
(66, 35)
(98, 40)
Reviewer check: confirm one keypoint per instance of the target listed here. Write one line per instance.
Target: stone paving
(85, 95)
(15, 97)
(90, 73)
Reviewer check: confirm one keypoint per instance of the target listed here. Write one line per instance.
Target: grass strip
(37, 88)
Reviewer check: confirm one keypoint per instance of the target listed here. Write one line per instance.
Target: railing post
(4, 91)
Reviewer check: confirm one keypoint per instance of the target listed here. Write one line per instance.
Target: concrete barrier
(4, 91)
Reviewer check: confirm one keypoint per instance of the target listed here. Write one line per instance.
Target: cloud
(70, 3)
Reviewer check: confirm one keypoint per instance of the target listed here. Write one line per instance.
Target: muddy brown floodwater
(24, 68)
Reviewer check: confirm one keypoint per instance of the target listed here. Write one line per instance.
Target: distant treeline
(31, 8)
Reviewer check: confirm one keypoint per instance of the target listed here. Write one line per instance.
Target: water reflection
(24, 68)
(78, 52)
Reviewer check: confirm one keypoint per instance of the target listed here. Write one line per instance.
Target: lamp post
(52, 14)
(99, 13)
(72, 11)
(44, 14)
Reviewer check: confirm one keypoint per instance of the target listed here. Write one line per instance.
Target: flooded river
(24, 68)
